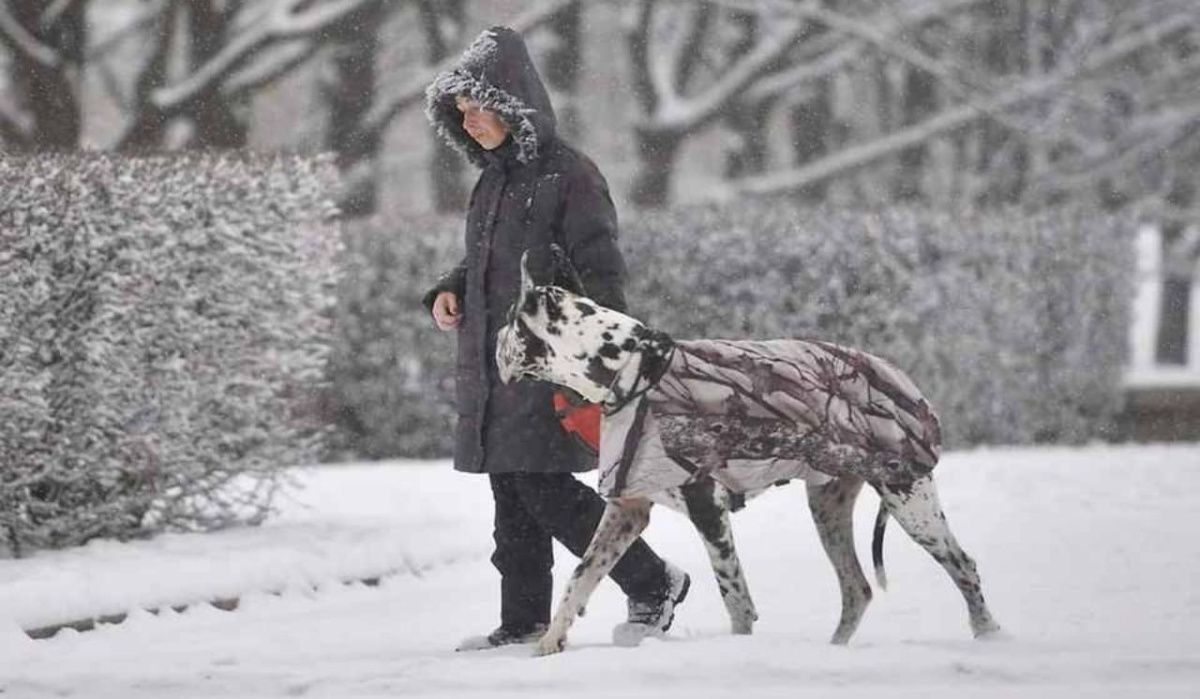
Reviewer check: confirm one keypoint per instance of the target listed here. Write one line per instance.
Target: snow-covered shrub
(392, 371)
(1013, 324)
(163, 334)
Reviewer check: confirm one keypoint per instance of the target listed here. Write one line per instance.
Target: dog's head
(558, 336)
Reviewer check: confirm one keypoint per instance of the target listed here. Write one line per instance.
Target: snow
(1086, 557)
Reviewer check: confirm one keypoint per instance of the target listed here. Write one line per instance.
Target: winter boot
(502, 636)
(652, 617)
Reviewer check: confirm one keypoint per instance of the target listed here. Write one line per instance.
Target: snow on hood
(497, 72)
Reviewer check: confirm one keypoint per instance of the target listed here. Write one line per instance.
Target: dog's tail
(877, 546)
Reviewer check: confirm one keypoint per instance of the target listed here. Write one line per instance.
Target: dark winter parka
(533, 191)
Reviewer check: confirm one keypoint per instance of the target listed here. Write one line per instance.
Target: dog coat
(755, 413)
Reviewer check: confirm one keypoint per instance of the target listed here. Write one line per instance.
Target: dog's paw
(549, 646)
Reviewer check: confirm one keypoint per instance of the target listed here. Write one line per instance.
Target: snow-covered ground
(1088, 558)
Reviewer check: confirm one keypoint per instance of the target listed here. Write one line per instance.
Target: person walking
(534, 191)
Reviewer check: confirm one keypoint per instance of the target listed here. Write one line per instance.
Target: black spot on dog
(535, 348)
(585, 309)
(629, 344)
(598, 373)
(607, 336)
(705, 514)
(609, 351)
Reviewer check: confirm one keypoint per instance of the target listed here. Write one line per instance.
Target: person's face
(485, 127)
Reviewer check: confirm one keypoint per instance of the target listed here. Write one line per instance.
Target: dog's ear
(565, 274)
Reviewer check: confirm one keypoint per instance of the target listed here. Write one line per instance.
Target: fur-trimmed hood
(497, 72)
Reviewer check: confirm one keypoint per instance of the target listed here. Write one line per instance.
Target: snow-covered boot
(652, 617)
(502, 636)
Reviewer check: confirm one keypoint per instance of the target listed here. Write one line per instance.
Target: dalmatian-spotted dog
(701, 425)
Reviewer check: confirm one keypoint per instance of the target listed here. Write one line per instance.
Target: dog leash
(643, 382)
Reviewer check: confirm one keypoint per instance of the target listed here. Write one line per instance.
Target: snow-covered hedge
(163, 335)
(1015, 325)
(391, 370)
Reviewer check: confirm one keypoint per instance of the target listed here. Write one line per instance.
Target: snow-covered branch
(272, 64)
(837, 50)
(148, 15)
(959, 115)
(12, 131)
(56, 11)
(751, 78)
(971, 89)
(287, 19)
(1148, 137)
(393, 100)
(23, 41)
(682, 113)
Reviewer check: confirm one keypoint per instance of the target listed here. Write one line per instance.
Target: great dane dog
(701, 425)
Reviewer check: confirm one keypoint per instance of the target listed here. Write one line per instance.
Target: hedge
(163, 338)
(1014, 323)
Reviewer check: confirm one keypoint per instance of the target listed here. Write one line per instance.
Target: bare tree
(45, 41)
(262, 41)
(444, 26)
(796, 47)
(219, 121)
(201, 60)
(1000, 100)
(564, 64)
(746, 120)
(664, 42)
(349, 87)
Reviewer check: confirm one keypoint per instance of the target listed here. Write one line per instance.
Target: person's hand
(445, 311)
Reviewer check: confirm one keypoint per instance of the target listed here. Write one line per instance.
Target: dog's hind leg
(707, 507)
(917, 510)
(620, 525)
(832, 506)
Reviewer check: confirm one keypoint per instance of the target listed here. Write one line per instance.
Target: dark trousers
(530, 509)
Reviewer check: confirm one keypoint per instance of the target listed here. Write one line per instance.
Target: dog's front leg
(623, 521)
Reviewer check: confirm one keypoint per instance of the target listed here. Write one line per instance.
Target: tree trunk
(749, 154)
(564, 62)
(918, 102)
(217, 122)
(811, 126)
(747, 120)
(148, 124)
(658, 147)
(444, 23)
(50, 93)
(656, 154)
(1004, 160)
(349, 90)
